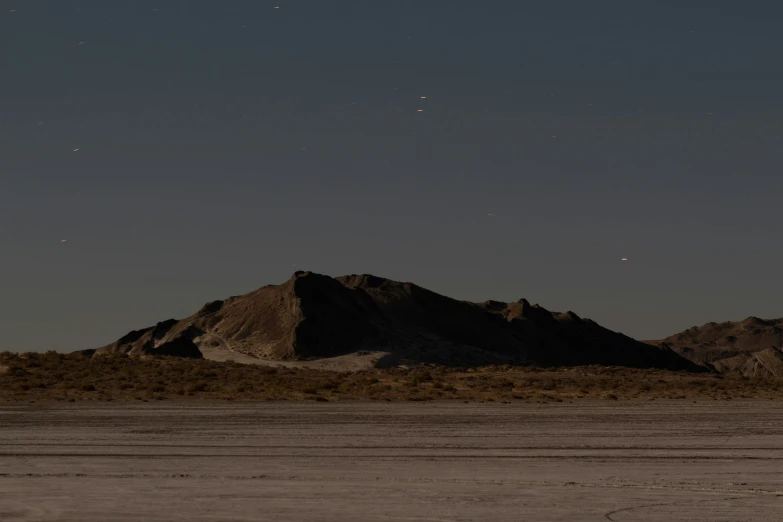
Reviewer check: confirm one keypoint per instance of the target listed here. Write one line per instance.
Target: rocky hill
(751, 347)
(313, 316)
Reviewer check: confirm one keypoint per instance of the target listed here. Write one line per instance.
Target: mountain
(314, 316)
(751, 347)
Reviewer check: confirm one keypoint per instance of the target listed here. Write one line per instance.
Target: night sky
(223, 145)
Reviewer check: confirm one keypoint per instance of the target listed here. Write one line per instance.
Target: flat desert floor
(429, 461)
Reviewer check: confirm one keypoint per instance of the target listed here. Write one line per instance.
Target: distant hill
(751, 347)
(313, 316)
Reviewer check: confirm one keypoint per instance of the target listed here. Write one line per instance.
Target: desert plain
(585, 460)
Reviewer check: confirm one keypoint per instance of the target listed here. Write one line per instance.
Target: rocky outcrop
(765, 363)
(749, 347)
(714, 341)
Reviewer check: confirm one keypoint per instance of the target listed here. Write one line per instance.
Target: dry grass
(75, 377)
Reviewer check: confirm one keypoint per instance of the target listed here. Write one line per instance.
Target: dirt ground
(66, 378)
(425, 461)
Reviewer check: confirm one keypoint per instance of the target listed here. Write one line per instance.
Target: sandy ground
(344, 363)
(584, 461)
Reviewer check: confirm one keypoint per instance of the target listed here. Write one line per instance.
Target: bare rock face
(765, 363)
(161, 339)
(723, 345)
(316, 316)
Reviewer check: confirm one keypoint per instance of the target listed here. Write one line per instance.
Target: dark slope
(313, 316)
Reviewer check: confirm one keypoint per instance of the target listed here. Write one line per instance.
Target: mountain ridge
(313, 316)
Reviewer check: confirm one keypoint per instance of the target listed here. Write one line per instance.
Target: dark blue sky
(223, 142)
